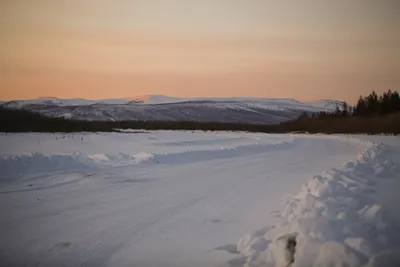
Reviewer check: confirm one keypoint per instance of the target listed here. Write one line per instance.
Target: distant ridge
(159, 107)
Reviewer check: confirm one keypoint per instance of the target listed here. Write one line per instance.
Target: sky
(98, 49)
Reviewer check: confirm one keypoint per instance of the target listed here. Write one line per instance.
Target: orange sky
(212, 48)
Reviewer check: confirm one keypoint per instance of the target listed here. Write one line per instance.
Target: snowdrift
(334, 219)
(36, 163)
(31, 163)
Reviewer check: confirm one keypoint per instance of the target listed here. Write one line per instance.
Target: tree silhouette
(345, 109)
(374, 105)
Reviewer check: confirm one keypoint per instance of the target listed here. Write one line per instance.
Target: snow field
(187, 199)
(36, 154)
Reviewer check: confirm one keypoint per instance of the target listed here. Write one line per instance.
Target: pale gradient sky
(211, 48)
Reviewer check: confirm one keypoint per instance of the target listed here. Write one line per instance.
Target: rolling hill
(157, 107)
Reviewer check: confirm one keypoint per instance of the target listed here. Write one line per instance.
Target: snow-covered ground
(198, 199)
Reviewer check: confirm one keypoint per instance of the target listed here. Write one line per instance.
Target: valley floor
(198, 199)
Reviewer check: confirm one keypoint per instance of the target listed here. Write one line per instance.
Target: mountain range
(157, 107)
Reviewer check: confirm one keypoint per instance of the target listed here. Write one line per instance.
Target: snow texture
(145, 198)
(335, 220)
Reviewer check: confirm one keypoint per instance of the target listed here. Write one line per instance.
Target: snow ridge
(335, 220)
(27, 164)
(30, 163)
(149, 108)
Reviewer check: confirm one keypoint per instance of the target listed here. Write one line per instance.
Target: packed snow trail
(152, 199)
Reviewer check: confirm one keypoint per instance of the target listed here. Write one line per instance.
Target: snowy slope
(146, 99)
(54, 101)
(160, 99)
(188, 199)
(185, 111)
(326, 104)
(244, 110)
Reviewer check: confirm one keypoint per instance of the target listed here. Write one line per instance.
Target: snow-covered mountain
(67, 102)
(327, 104)
(156, 107)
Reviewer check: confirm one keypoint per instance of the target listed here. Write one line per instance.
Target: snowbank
(28, 164)
(335, 220)
(38, 163)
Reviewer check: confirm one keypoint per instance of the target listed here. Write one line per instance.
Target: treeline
(374, 105)
(368, 106)
(387, 124)
(372, 115)
(21, 120)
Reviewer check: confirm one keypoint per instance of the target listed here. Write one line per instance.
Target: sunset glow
(216, 48)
